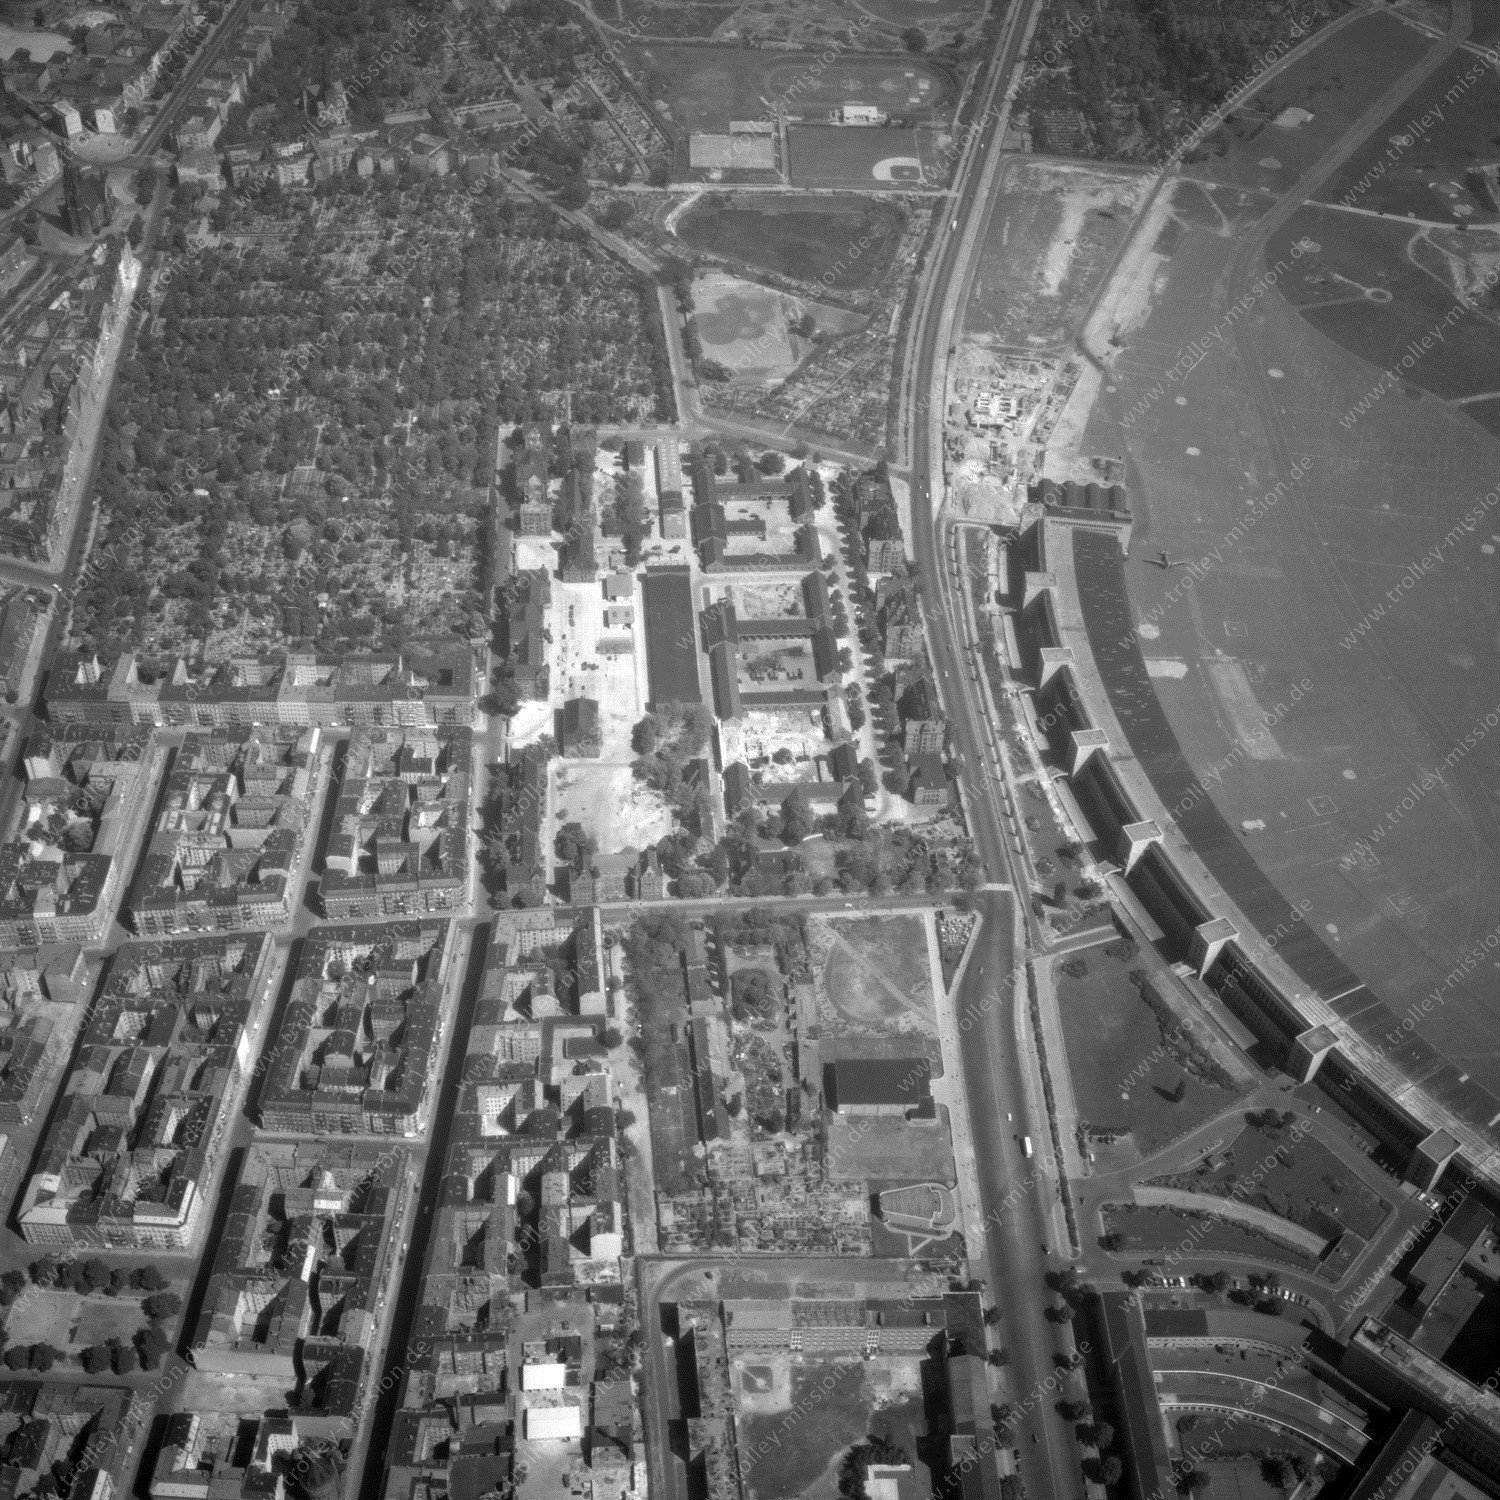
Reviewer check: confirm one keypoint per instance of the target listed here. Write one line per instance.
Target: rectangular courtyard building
(226, 846)
(130, 1155)
(355, 1052)
(399, 840)
(299, 1270)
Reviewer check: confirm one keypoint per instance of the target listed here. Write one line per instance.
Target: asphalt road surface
(1016, 1199)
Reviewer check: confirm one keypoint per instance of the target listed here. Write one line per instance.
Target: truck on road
(1026, 1146)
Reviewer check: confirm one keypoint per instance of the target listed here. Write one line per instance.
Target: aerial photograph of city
(750, 749)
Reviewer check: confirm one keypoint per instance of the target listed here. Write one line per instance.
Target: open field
(780, 1457)
(707, 87)
(1486, 19)
(1421, 165)
(852, 238)
(1375, 288)
(875, 973)
(891, 1150)
(1335, 83)
(921, 12)
(1398, 895)
(1304, 1183)
(812, 24)
(1125, 1075)
(1151, 1232)
(1053, 233)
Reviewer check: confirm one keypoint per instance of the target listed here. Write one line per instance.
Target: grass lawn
(1307, 1184)
(1124, 1076)
(1149, 1232)
(43, 1317)
(850, 1401)
(69, 1321)
(852, 238)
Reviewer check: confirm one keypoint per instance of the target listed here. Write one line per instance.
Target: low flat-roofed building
(878, 1086)
(553, 1423)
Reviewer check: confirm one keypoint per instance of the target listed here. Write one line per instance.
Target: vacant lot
(848, 240)
(876, 973)
(1305, 1183)
(785, 1458)
(71, 1322)
(1047, 245)
(890, 1150)
(1125, 1075)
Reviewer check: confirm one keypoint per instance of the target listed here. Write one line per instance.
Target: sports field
(745, 327)
(707, 87)
(828, 156)
(850, 239)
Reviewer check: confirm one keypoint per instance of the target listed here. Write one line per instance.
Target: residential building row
(233, 825)
(400, 841)
(328, 145)
(80, 819)
(357, 1047)
(519, 1362)
(724, 632)
(70, 1439)
(144, 1108)
(52, 367)
(90, 89)
(299, 1275)
(428, 683)
(739, 543)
